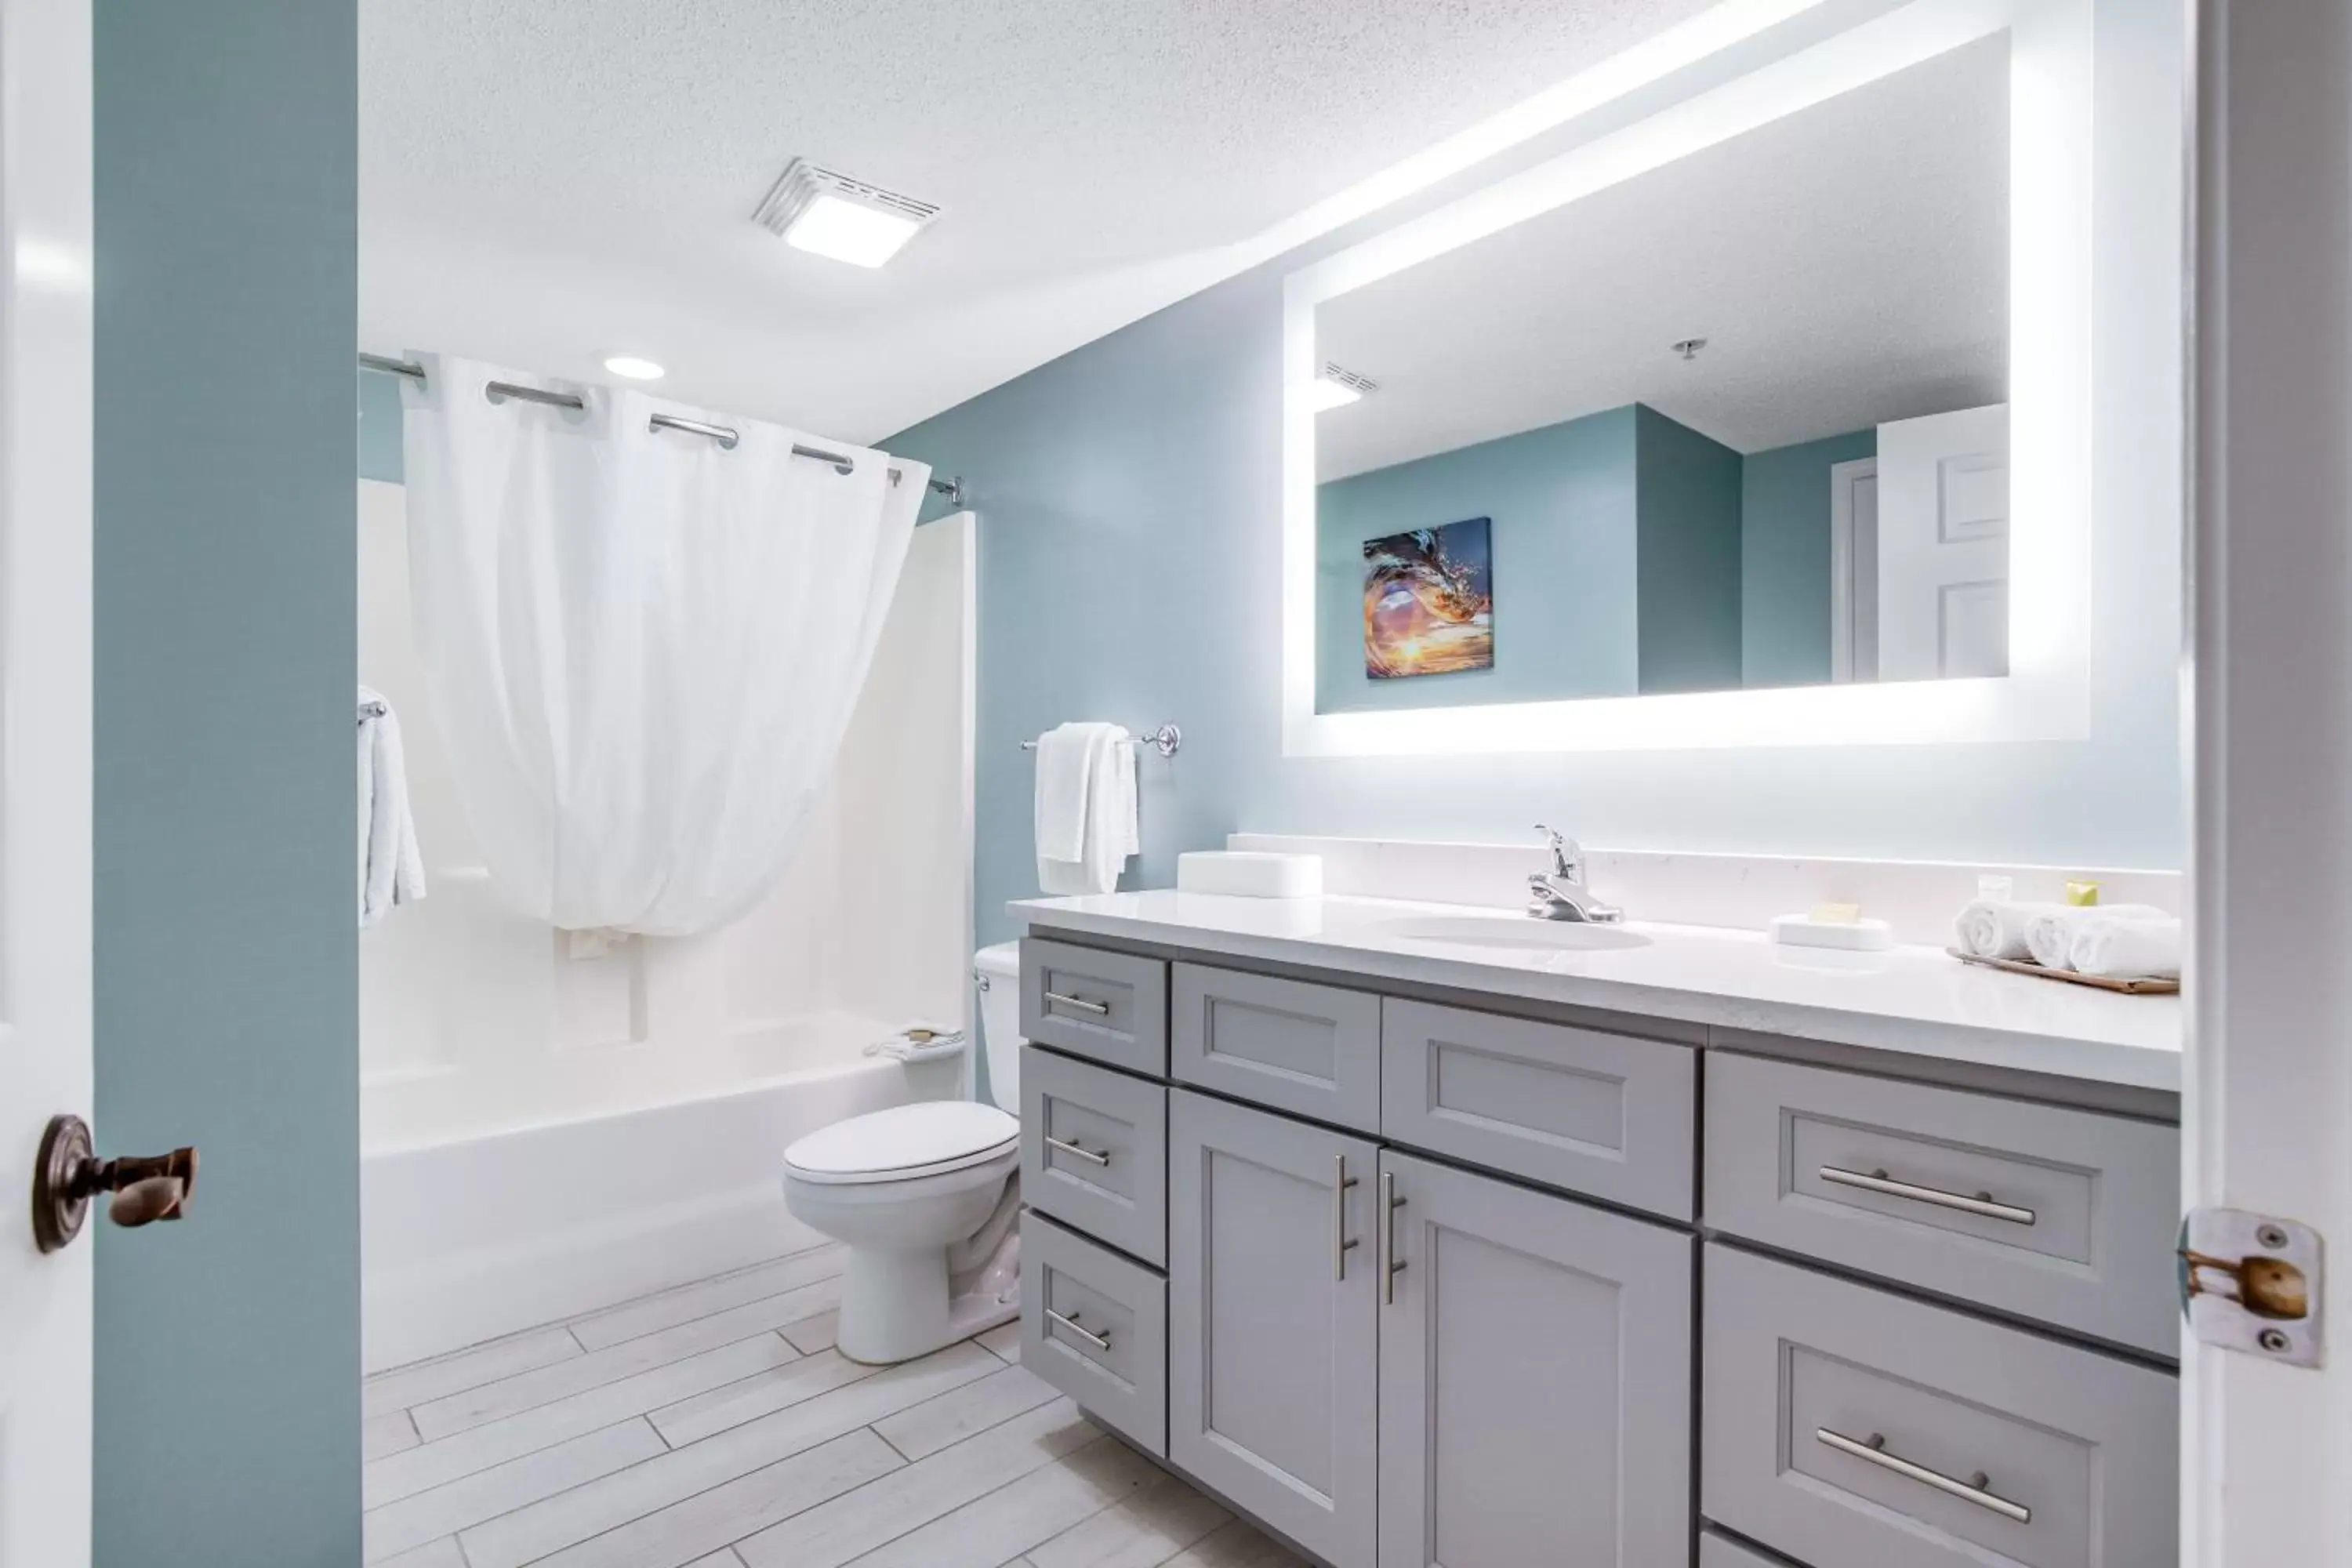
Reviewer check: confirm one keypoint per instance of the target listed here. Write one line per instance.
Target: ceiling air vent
(1339, 374)
(817, 210)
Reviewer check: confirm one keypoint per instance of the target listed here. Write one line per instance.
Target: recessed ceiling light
(826, 214)
(1336, 388)
(633, 368)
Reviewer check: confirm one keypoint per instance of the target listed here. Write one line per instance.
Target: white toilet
(925, 1196)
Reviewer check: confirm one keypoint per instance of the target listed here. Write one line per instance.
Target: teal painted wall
(227, 1375)
(1785, 559)
(1562, 503)
(1687, 491)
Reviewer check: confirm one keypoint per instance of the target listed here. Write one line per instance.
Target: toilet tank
(997, 973)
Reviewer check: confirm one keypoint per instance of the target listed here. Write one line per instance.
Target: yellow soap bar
(2082, 895)
(1836, 914)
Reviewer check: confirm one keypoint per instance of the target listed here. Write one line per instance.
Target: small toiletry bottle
(1995, 889)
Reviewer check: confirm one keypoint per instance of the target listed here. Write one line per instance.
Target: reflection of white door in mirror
(1853, 570)
(1943, 545)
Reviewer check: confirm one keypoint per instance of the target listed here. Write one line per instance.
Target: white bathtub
(488, 1207)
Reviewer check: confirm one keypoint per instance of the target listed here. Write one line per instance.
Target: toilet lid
(904, 1142)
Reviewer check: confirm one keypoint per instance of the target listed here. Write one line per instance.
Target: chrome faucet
(1563, 895)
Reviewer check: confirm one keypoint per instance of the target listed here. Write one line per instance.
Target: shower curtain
(641, 648)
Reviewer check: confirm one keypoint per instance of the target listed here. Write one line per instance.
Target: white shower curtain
(641, 648)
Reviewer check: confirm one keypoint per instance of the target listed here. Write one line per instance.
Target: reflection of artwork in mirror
(1739, 421)
(1429, 602)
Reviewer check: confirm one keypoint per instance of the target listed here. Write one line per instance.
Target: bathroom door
(1942, 499)
(44, 762)
(2266, 1446)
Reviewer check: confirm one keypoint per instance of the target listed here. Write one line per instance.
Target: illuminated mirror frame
(2045, 696)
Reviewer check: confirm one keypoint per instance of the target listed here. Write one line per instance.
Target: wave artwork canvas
(1429, 602)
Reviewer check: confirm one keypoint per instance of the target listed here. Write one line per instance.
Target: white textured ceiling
(1847, 265)
(545, 183)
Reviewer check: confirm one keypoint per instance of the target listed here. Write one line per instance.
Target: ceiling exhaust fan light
(847, 231)
(1335, 386)
(829, 213)
(630, 367)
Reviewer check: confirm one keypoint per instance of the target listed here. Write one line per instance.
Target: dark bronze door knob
(68, 1174)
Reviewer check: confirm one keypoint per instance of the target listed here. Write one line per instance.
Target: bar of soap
(1836, 914)
(1854, 935)
(2082, 895)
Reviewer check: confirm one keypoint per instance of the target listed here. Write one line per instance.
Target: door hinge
(2252, 1283)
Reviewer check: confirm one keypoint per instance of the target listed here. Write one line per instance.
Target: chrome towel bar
(1164, 738)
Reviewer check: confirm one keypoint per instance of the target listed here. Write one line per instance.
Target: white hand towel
(2050, 937)
(1066, 761)
(2122, 948)
(1995, 928)
(1109, 829)
(392, 870)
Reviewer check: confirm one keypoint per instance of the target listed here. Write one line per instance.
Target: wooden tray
(2026, 966)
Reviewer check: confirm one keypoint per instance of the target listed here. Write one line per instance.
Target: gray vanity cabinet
(1521, 1329)
(1272, 1365)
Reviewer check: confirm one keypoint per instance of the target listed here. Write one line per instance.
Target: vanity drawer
(2062, 1215)
(1095, 1326)
(1584, 1110)
(1094, 1152)
(2075, 1449)
(1722, 1551)
(1112, 1006)
(1312, 1050)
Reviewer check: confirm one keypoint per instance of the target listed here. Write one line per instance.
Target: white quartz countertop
(1919, 1000)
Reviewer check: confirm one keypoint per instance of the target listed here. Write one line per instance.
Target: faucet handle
(1565, 852)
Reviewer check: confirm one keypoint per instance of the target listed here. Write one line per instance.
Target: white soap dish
(1250, 874)
(1851, 936)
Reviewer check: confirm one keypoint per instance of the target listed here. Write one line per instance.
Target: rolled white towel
(1995, 928)
(2050, 937)
(2123, 948)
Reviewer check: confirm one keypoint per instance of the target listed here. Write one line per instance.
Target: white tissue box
(1250, 874)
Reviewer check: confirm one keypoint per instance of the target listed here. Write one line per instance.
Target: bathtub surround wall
(645, 1097)
(227, 1398)
(1131, 564)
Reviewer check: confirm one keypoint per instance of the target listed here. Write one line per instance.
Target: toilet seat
(927, 1138)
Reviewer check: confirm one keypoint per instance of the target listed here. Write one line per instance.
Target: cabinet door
(1535, 1379)
(1272, 1363)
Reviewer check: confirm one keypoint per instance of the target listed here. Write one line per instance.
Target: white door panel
(1943, 525)
(2266, 1447)
(45, 760)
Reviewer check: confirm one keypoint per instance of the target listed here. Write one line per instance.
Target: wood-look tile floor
(714, 1425)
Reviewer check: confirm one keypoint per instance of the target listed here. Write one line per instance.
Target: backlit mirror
(1739, 422)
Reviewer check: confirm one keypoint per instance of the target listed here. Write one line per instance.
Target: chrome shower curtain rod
(952, 487)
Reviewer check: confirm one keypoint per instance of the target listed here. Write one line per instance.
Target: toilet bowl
(925, 1196)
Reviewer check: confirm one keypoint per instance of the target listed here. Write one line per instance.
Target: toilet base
(895, 1306)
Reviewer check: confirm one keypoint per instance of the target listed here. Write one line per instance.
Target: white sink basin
(1518, 932)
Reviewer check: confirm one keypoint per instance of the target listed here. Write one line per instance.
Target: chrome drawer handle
(1879, 1182)
(1079, 1150)
(1973, 1489)
(1341, 1245)
(1100, 1341)
(1391, 1263)
(1099, 1009)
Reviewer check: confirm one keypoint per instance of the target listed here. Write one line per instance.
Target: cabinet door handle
(1100, 1341)
(1099, 1009)
(1340, 1245)
(1390, 1265)
(1880, 1182)
(1873, 1451)
(1079, 1150)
